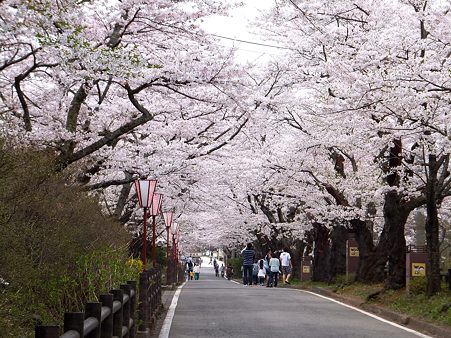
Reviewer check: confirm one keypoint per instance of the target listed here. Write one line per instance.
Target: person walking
(248, 254)
(274, 268)
(216, 266)
(189, 269)
(261, 272)
(255, 273)
(266, 263)
(196, 271)
(287, 267)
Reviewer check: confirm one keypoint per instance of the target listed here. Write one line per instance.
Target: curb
(413, 323)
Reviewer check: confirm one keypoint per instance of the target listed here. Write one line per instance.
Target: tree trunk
(391, 247)
(372, 260)
(395, 216)
(432, 231)
(321, 253)
(337, 260)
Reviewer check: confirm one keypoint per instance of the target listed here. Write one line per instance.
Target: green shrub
(237, 264)
(58, 250)
(417, 285)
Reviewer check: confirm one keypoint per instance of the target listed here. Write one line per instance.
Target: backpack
(190, 264)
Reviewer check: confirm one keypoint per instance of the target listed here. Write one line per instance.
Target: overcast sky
(237, 26)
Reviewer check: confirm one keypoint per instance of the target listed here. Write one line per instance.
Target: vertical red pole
(167, 243)
(144, 249)
(154, 236)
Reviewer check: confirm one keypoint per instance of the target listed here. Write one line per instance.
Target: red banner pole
(154, 235)
(144, 249)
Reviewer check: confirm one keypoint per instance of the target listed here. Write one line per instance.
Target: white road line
(164, 333)
(235, 282)
(370, 315)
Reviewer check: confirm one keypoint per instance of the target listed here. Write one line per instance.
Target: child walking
(261, 272)
(196, 271)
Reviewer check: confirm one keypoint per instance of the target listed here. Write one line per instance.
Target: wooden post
(47, 332)
(74, 321)
(150, 290)
(94, 309)
(118, 295)
(143, 301)
(126, 309)
(133, 308)
(106, 329)
(159, 288)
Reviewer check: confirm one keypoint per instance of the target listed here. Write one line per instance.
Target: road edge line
(419, 334)
(164, 332)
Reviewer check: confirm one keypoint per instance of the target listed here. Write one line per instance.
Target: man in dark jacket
(248, 254)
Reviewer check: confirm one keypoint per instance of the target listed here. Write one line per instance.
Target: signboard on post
(353, 251)
(418, 269)
(306, 269)
(352, 257)
(416, 258)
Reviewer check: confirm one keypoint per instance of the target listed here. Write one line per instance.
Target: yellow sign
(353, 251)
(306, 269)
(419, 269)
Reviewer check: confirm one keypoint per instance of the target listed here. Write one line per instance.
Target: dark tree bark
(395, 216)
(432, 230)
(321, 253)
(371, 267)
(337, 261)
(391, 247)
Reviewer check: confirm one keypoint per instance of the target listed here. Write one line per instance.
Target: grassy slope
(430, 309)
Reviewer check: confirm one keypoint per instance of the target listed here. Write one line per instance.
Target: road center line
(164, 333)
(370, 315)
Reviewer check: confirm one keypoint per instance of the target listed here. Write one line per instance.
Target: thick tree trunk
(395, 216)
(337, 260)
(296, 256)
(391, 247)
(372, 260)
(432, 231)
(321, 253)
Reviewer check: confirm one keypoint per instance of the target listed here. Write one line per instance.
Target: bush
(236, 263)
(417, 285)
(57, 248)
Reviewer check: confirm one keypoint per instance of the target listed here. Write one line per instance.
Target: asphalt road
(215, 307)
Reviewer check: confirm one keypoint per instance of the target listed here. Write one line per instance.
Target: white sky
(239, 26)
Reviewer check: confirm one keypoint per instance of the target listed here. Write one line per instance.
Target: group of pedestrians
(266, 270)
(192, 269)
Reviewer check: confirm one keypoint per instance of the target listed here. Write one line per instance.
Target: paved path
(215, 307)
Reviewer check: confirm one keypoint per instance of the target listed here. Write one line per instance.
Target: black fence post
(106, 329)
(74, 321)
(159, 288)
(143, 302)
(449, 279)
(126, 308)
(118, 296)
(47, 332)
(132, 284)
(94, 309)
(150, 293)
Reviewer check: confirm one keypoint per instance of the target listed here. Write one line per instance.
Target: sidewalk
(166, 299)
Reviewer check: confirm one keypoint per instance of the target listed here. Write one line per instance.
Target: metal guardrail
(114, 315)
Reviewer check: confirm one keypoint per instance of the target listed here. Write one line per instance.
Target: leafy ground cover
(436, 309)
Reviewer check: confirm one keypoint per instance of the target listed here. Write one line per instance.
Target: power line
(251, 43)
